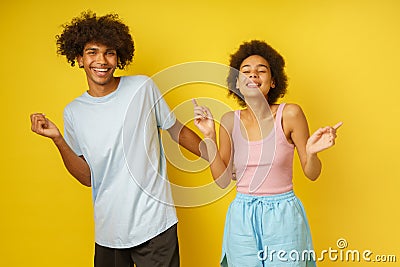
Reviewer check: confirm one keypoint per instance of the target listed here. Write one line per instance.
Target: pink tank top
(263, 167)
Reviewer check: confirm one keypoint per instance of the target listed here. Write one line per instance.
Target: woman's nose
(253, 75)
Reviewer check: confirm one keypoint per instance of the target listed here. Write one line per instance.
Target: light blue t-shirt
(118, 135)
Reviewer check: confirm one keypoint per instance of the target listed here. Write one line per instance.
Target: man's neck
(98, 90)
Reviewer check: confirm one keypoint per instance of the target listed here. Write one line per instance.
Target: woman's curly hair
(107, 30)
(275, 60)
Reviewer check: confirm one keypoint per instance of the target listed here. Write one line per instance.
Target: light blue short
(267, 231)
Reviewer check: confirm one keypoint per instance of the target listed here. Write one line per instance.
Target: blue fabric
(119, 136)
(267, 231)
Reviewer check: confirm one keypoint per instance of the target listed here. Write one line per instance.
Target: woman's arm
(219, 158)
(295, 123)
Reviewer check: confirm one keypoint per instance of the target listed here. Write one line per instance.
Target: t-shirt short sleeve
(69, 133)
(165, 118)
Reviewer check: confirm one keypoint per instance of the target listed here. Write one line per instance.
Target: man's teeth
(103, 70)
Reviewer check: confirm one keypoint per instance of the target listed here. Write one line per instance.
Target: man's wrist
(58, 139)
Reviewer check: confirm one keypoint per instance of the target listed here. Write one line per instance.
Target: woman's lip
(253, 85)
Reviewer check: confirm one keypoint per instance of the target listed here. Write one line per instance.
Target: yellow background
(342, 62)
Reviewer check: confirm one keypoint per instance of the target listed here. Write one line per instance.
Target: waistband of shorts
(267, 198)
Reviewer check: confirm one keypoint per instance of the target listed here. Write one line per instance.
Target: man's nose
(101, 58)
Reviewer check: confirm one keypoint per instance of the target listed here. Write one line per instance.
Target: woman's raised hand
(204, 120)
(322, 139)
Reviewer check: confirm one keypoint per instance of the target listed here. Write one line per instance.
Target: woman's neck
(259, 109)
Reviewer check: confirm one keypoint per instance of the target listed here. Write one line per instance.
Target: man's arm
(188, 139)
(77, 166)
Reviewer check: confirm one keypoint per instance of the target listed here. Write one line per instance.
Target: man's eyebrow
(96, 49)
(91, 48)
(259, 65)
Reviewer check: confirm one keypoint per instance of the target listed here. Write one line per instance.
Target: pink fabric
(263, 167)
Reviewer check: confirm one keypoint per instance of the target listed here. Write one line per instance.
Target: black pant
(160, 251)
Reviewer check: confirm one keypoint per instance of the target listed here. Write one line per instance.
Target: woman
(266, 224)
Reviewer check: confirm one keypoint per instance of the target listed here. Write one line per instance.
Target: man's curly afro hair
(107, 30)
(275, 60)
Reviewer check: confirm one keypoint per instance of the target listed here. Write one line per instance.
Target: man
(112, 143)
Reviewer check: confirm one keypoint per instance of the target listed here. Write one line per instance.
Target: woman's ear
(273, 84)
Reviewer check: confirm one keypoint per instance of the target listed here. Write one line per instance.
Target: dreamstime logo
(341, 243)
(174, 82)
(341, 254)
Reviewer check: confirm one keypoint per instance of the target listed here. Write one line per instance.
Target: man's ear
(79, 59)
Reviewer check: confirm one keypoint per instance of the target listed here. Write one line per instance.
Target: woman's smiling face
(255, 73)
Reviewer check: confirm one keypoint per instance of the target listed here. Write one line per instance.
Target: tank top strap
(236, 124)
(278, 120)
